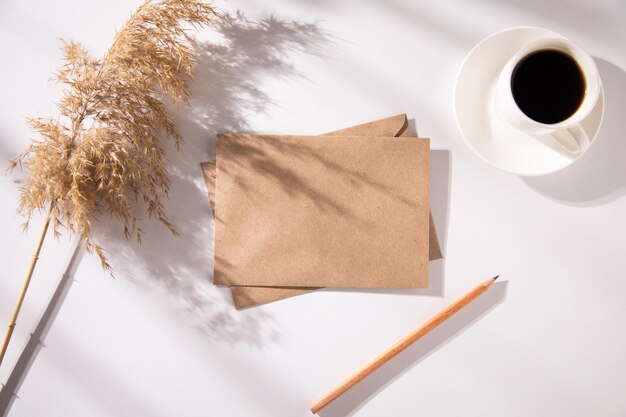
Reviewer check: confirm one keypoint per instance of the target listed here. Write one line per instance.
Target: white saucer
(495, 142)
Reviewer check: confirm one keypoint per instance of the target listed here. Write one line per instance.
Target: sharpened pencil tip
(496, 277)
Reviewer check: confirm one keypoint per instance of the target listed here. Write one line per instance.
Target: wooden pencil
(403, 344)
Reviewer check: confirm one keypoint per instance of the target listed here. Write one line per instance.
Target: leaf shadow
(228, 88)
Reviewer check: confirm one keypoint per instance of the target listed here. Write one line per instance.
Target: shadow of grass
(226, 91)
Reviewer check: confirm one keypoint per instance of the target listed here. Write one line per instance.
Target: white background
(160, 340)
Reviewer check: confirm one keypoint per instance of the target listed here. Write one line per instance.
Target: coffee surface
(548, 86)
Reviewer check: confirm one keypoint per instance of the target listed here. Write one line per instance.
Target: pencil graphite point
(496, 277)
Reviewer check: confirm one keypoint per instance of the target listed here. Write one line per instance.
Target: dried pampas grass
(101, 152)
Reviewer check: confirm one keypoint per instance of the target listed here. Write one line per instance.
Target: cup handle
(572, 139)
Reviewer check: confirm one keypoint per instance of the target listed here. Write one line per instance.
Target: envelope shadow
(599, 176)
(355, 398)
(440, 174)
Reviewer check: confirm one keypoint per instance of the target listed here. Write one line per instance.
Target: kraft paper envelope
(247, 296)
(314, 211)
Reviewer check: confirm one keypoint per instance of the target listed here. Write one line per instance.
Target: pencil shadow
(599, 176)
(354, 399)
(228, 88)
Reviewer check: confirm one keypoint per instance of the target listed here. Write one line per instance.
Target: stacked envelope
(345, 209)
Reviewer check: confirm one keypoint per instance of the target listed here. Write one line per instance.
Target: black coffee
(548, 86)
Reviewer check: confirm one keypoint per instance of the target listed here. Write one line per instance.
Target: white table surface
(160, 340)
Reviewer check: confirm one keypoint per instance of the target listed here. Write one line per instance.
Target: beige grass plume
(101, 152)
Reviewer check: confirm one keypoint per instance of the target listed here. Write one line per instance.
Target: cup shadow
(357, 397)
(598, 177)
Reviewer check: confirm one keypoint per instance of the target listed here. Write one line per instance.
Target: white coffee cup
(567, 133)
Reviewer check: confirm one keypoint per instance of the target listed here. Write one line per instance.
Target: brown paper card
(313, 211)
(249, 296)
(397, 126)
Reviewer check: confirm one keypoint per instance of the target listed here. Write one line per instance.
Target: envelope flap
(389, 126)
